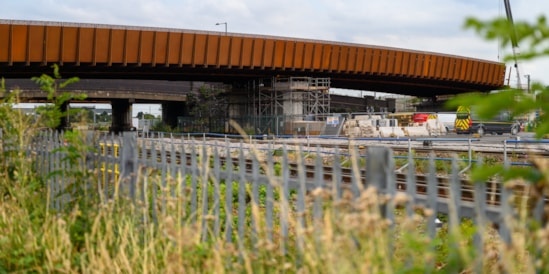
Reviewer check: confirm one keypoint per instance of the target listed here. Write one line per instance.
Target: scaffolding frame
(299, 96)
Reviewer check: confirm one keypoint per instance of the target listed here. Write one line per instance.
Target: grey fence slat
(134, 181)
(355, 188)
(57, 166)
(269, 202)
(91, 161)
(183, 162)
(67, 182)
(153, 162)
(217, 195)
(128, 164)
(204, 167)
(104, 165)
(377, 161)
(183, 169)
(411, 185)
(53, 178)
(194, 184)
(454, 207)
(390, 183)
(284, 200)
(455, 196)
(380, 172)
(111, 162)
(241, 194)
(381, 159)
(300, 203)
(173, 167)
(337, 182)
(45, 153)
(142, 183)
(163, 175)
(255, 194)
(63, 168)
(432, 192)
(319, 182)
(229, 196)
(479, 220)
(42, 145)
(51, 168)
(506, 214)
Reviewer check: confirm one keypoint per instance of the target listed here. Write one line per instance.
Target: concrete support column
(293, 104)
(121, 115)
(172, 110)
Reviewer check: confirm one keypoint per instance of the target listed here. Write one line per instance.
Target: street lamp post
(224, 23)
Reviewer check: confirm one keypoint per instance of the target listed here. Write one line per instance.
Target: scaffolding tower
(297, 97)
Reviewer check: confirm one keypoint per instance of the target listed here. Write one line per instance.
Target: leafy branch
(54, 114)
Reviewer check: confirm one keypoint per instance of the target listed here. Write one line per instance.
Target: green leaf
(485, 173)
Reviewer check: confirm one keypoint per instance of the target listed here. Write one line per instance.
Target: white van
(448, 120)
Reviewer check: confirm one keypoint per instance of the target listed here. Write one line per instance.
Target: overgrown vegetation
(92, 234)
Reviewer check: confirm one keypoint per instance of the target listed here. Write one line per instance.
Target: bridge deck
(106, 51)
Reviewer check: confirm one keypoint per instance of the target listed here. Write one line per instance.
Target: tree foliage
(54, 114)
(533, 39)
(534, 43)
(207, 103)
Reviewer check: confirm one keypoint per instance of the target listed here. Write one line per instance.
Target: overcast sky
(429, 25)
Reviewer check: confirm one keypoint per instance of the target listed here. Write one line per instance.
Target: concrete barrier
(391, 132)
(416, 131)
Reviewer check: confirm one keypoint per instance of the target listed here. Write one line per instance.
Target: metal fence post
(479, 220)
(380, 172)
(505, 160)
(128, 173)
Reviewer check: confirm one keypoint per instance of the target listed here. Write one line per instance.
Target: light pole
(224, 23)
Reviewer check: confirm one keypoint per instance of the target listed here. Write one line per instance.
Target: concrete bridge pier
(172, 110)
(121, 115)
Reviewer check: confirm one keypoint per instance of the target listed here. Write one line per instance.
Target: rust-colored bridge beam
(105, 51)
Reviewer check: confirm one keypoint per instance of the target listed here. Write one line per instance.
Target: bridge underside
(106, 90)
(419, 87)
